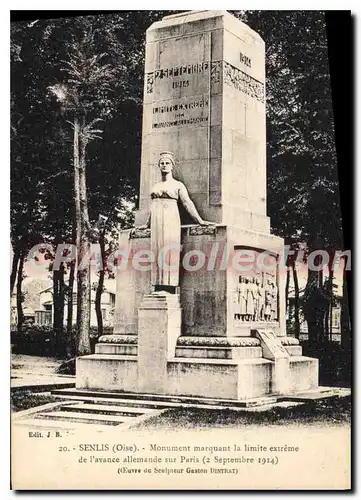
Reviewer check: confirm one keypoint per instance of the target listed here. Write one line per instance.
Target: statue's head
(166, 162)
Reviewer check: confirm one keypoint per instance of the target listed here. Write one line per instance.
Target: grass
(23, 400)
(330, 413)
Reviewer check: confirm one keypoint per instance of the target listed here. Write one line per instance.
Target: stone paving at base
(104, 411)
(37, 373)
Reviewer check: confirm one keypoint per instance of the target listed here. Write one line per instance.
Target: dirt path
(29, 370)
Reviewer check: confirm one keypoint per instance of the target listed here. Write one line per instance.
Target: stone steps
(163, 401)
(125, 411)
(327, 393)
(134, 404)
(148, 406)
(149, 402)
(85, 417)
(76, 413)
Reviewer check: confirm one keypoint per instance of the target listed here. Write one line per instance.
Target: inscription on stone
(180, 85)
(272, 347)
(180, 112)
(177, 71)
(191, 112)
(245, 60)
(181, 106)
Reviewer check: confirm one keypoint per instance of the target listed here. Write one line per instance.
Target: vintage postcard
(181, 259)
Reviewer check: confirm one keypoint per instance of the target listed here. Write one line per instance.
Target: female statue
(164, 221)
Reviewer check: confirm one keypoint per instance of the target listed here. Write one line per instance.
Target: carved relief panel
(256, 294)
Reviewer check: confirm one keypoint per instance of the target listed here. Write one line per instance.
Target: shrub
(36, 339)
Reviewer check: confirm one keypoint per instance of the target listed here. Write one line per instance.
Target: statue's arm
(190, 206)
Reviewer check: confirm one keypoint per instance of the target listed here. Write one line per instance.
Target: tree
(346, 340)
(37, 157)
(97, 82)
(41, 174)
(121, 216)
(88, 80)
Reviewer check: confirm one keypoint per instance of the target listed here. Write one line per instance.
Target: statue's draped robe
(165, 232)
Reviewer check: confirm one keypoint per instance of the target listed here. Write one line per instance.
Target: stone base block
(123, 349)
(218, 352)
(104, 372)
(229, 379)
(304, 373)
(211, 378)
(196, 351)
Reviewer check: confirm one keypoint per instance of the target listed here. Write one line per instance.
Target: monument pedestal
(213, 260)
(241, 379)
(199, 343)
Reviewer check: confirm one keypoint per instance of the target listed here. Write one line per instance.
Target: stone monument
(213, 323)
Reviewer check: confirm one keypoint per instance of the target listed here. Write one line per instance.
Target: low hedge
(39, 340)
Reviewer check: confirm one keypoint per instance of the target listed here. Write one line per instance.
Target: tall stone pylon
(204, 99)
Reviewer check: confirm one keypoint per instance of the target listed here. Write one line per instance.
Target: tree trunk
(326, 325)
(288, 276)
(345, 315)
(329, 312)
(55, 311)
(100, 287)
(315, 305)
(19, 292)
(297, 301)
(313, 310)
(313, 277)
(82, 225)
(14, 268)
(58, 308)
(69, 320)
(320, 277)
(288, 309)
(83, 309)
